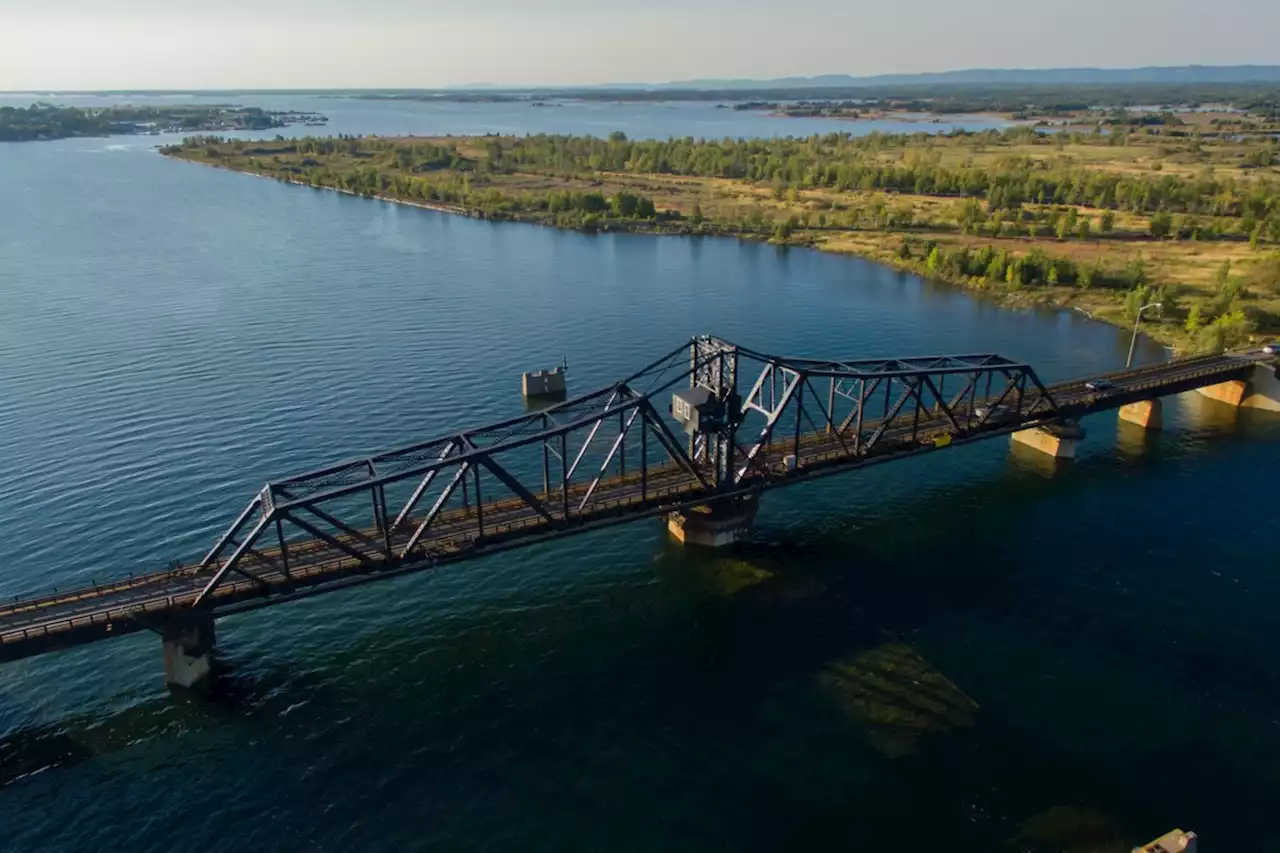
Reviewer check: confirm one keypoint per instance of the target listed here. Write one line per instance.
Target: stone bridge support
(1055, 440)
(1148, 414)
(716, 525)
(188, 652)
(1261, 390)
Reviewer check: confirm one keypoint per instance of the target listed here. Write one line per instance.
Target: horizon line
(793, 80)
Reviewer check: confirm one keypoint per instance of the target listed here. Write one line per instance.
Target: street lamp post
(1133, 341)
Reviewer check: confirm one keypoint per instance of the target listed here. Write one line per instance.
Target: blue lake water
(639, 120)
(968, 650)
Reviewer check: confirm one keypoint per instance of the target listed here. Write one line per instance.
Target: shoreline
(903, 117)
(1026, 299)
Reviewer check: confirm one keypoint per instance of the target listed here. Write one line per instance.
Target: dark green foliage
(994, 266)
(42, 121)
(433, 173)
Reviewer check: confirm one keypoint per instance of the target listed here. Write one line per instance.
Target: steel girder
(554, 468)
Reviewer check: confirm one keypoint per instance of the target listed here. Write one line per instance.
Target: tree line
(843, 162)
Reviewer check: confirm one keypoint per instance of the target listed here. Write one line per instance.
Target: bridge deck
(148, 601)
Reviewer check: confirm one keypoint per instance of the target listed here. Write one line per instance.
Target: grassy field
(1211, 255)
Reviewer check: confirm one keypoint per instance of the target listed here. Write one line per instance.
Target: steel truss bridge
(611, 456)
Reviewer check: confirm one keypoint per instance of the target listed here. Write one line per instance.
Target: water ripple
(205, 332)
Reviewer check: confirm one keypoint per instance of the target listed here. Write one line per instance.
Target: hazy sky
(116, 44)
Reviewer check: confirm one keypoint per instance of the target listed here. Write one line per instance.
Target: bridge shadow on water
(814, 689)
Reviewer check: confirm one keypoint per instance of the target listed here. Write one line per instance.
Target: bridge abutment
(1261, 390)
(714, 526)
(1148, 414)
(1055, 440)
(188, 652)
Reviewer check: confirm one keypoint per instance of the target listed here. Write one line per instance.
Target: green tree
(1193, 319)
(1228, 290)
(1135, 273)
(1235, 327)
(1013, 275)
(1082, 229)
(1108, 223)
(1087, 276)
(624, 204)
(1229, 330)
(1135, 299)
(1161, 224)
(996, 270)
(1169, 296)
(593, 202)
(1211, 339)
(1222, 275)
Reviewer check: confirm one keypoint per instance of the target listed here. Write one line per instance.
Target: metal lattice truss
(859, 408)
(610, 455)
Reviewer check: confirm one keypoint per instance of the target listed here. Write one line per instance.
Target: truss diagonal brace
(670, 443)
(865, 393)
(343, 526)
(787, 394)
(422, 487)
(231, 562)
(515, 486)
(332, 540)
(435, 508)
(889, 418)
(231, 532)
(608, 460)
(942, 404)
(591, 435)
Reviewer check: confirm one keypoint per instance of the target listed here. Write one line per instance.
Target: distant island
(903, 101)
(1058, 77)
(1184, 212)
(44, 121)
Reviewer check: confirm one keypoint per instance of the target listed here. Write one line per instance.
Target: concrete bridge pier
(188, 652)
(716, 525)
(1261, 390)
(1148, 414)
(1055, 440)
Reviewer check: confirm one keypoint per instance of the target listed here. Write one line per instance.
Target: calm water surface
(638, 120)
(970, 650)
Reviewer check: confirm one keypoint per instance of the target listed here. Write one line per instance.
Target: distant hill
(998, 76)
